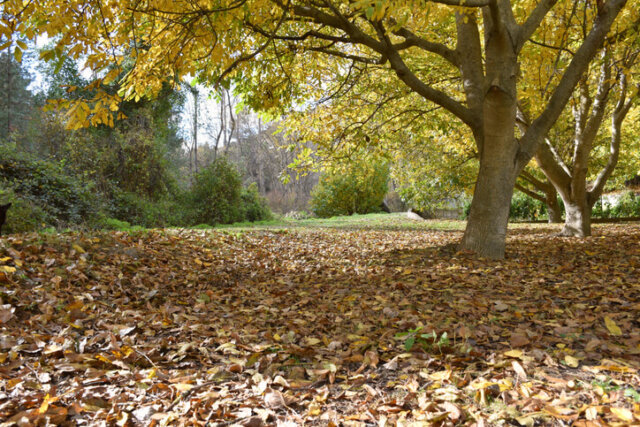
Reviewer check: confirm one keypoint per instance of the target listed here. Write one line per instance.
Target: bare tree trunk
(232, 118)
(194, 126)
(220, 130)
(487, 225)
(9, 94)
(577, 222)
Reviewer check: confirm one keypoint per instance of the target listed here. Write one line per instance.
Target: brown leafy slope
(319, 327)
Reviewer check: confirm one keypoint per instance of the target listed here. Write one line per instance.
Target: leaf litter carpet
(322, 327)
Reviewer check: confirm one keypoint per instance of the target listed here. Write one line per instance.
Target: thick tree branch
(587, 133)
(533, 22)
(464, 3)
(440, 98)
(544, 186)
(355, 34)
(471, 68)
(530, 193)
(439, 49)
(553, 167)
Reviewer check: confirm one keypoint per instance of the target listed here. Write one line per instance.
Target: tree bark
(554, 210)
(578, 218)
(487, 225)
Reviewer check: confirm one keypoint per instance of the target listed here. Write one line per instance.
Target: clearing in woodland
(319, 326)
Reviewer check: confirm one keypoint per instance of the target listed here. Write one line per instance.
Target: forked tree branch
(578, 65)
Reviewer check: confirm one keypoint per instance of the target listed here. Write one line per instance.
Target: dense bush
(254, 206)
(23, 216)
(44, 195)
(526, 208)
(358, 187)
(46, 190)
(139, 210)
(216, 196)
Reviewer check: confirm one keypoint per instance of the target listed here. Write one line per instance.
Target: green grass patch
(376, 221)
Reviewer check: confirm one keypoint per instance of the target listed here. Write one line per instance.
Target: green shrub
(135, 209)
(358, 187)
(62, 198)
(24, 215)
(466, 209)
(526, 208)
(629, 205)
(216, 196)
(254, 206)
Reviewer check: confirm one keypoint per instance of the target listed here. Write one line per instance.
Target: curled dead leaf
(6, 312)
(517, 367)
(273, 399)
(454, 412)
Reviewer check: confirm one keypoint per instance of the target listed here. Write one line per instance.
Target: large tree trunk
(578, 219)
(487, 225)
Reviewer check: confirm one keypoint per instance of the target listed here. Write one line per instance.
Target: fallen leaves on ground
(319, 327)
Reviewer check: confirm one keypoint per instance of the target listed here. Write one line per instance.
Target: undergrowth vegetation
(45, 194)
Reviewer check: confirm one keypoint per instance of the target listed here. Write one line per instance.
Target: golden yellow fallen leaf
(623, 413)
(571, 361)
(314, 409)
(183, 386)
(312, 341)
(612, 327)
(514, 353)
(440, 376)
